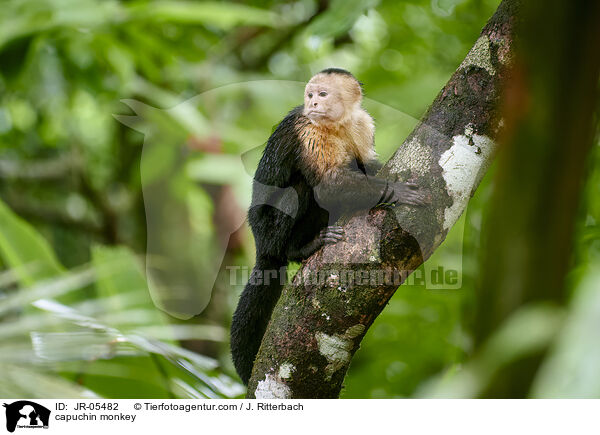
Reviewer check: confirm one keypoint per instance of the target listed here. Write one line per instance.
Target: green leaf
(572, 368)
(224, 15)
(339, 18)
(24, 250)
(18, 381)
(123, 275)
(529, 330)
(47, 289)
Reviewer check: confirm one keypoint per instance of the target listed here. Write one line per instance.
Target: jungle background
(86, 88)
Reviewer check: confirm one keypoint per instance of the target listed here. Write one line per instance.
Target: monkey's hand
(404, 193)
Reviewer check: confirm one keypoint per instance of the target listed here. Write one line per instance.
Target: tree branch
(325, 312)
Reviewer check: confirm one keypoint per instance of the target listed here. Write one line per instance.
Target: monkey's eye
(310, 95)
(323, 94)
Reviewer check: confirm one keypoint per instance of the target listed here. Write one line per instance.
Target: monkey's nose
(315, 104)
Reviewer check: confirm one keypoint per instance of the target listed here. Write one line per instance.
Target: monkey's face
(323, 102)
(331, 98)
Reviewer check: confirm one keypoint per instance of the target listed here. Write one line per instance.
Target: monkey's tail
(253, 313)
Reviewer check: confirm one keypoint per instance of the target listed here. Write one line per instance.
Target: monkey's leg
(327, 236)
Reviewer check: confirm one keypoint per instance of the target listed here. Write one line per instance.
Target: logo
(26, 414)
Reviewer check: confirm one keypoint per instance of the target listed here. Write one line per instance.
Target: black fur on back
(276, 234)
(281, 165)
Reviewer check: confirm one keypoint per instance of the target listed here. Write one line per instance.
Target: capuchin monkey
(319, 164)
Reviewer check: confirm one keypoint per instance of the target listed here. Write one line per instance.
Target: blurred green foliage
(87, 87)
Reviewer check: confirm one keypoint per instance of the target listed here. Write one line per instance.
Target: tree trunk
(325, 311)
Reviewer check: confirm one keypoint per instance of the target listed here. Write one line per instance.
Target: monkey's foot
(331, 234)
(327, 236)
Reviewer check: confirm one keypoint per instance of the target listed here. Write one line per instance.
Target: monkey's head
(331, 96)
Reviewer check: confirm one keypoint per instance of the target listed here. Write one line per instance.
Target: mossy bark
(326, 310)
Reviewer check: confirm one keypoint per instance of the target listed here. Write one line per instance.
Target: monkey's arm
(347, 190)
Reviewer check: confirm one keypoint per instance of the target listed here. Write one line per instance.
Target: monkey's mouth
(316, 113)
